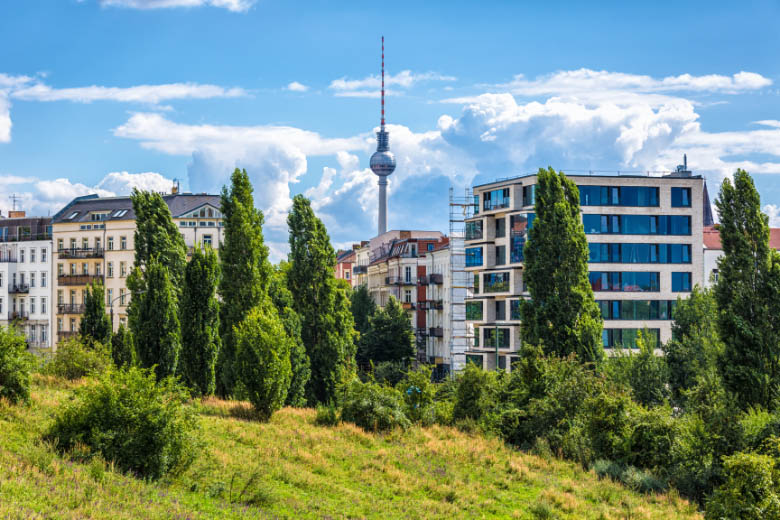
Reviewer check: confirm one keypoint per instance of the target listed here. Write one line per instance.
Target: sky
(100, 96)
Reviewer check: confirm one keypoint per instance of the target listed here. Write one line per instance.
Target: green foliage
(477, 394)
(327, 415)
(695, 345)
(419, 392)
(122, 349)
(299, 360)
(263, 360)
(750, 491)
(389, 372)
(77, 358)
(645, 373)
(389, 337)
(200, 322)
(157, 335)
(322, 304)
(363, 308)
(131, 419)
(245, 270)
(748, 296)
(95, 324)
(374, 407)
(561, 314)
(15, 366)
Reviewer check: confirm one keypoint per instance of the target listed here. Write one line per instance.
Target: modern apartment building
(25, 276)
(94, 241)
(645, 240)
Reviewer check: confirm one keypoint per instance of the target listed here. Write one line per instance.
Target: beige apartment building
(93, 240)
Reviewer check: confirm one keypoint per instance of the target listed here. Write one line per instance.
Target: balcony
(436, 332)
(79, 279)
(21, 288)
(422, 333)
(18, 315)
(422, 280)
(7, 259)
(66, 334)
(491, 205)
(408, 306)
(84, 252)
(437, 279)
(70, 308)
(359, 269)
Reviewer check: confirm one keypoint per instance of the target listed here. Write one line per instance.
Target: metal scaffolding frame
(461, 281)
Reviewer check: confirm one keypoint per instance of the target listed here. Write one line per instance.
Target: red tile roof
(712, 238)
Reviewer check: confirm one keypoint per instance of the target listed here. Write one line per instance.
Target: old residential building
(645, 239)
(25, 276)
(94, 241)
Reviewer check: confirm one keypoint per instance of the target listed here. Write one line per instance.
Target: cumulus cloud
(370, 86)
(231, 5)
(5, 119)
(138, 94)
(296, 87)
(773, 211)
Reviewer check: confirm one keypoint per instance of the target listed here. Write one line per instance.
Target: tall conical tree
(562, 314)
(158, 341)
(95, 324)
(389, 336)
(748, 296)
(363, 308)
(122, 349)
(200, 321)
(245, 270)
(322, 304)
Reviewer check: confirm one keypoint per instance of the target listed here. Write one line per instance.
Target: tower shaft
(382, 213)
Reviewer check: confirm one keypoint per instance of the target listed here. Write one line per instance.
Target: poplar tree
(158, 340)
(323, 305)
(95, 324)
(562, 315)
(122, 350)
(200, 321)
(748, 296)
(245, 270)
(362, 306)
(389, 337)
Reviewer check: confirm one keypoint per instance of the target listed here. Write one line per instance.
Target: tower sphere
(382, 163)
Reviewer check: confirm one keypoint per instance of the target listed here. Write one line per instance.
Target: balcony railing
(490, 205)
(70, 308)
(421, 332)
(422, 280)
(359, 269)
(436, 332)
(65, 334)
(437, 279)
(408, 306)
(21, 288)
(84, 252)
(78, 279)
(7, 259)
(25, 237)
(18, 315)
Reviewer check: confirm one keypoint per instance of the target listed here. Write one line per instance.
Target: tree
(245, 270)
(95, 324)
(328, 326)
(158, 340)
(695, 344)
(122, 350)
(389, 337)
(200, 322)
(748, 296)
(645, 373)
(562, 314)
(299, 361)
(363, 307)
(16, 364)
(263, 359)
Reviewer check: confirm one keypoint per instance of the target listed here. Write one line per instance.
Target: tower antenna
(14, 197)
(383, 83)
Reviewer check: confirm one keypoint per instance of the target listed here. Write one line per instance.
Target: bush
(122, 349)
(374, 407)
(750, 491)
(75, 359)
(15, 366)
(128, 417)
(263, 360)
(418, 392)
(390, 372)
(327, 415)
(477, 394)
(645, 373)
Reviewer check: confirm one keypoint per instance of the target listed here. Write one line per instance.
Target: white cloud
(5, 119)
(231, 5)
(138, 94)
(768, 122)
(773, 211)
(371, 85)
(296, 87)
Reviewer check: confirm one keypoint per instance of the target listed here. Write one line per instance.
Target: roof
(121, 208)
(712, 238)
(345, 256)
(617, 175)
(25, 228)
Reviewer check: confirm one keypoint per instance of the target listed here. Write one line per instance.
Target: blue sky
(103, 95)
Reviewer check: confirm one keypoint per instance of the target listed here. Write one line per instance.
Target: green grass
(291, 468)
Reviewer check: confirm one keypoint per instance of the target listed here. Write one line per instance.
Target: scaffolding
(461, 281)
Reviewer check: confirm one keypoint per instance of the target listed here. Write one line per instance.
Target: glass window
(474, 311)
(44, 252)
(476, 283)
(32, 255)
(496, 336)
(627, 338)
(681, 282)
(624, 281)
(474, 359)
(500, 255)
(681, 197)
(496, 282)
(500, 310)
(637, 224)
(519, 225)
(474, 230)
(207, 240)
(473, 256)
(514, 310)
(529, 195)
(500, 227)
(110, 243)
(496, 199)
(122, 242)
(634, 196)
(476, 204)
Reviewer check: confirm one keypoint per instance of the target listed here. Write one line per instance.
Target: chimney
(16, 214)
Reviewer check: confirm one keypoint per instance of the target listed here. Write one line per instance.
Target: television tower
(382, 162)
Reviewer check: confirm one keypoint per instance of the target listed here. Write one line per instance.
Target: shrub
(476, 395)
(750, 491)
(327, 415)
(263, 359)
(122, 349)
(128, 417)
(645, 373)
(390, 372)
(75, 359)
(418, 392)
(374, 407)
(15, 366)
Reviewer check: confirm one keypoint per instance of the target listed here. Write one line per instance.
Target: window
(21, 256)
(122, 269)
(59, 324)
(122, 242)
(43, 279)
(44, 333)
(430, 246)
(713, 277)
(637, 309)
(84, 243)
(474, 311)
(496, 337)
(32, 305)
(496, 282)
(207, 240)
(110, 269)
(121, 296)
(500, 310)
(514, 310)
(627, 338)
(637, 224)
(500, 227)
(60, 245)
(529, 195)
(346, 275)
(44, 252)
(32, 333)
(474, 230)
(73, 296)
(681, 282)
(32, 255)
(476, 204)
(681, 197)
(473, 256)
(476, 284)
(1, 306)
(407, 274)
(407, 296)
(43, 305)
(60, 270)
(73, 243)
(635, 253)
(98, 268)
(32, 279)
(97, 243)
(474, 359)
(500, 255)
(84, 268)
(1, 281)
(110, 243)
(109, 296)
(631, 196)
(60, 298)
(496, 199)
(624, 281)
(73, 324)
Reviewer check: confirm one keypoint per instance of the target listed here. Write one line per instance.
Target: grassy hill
(290, 468)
